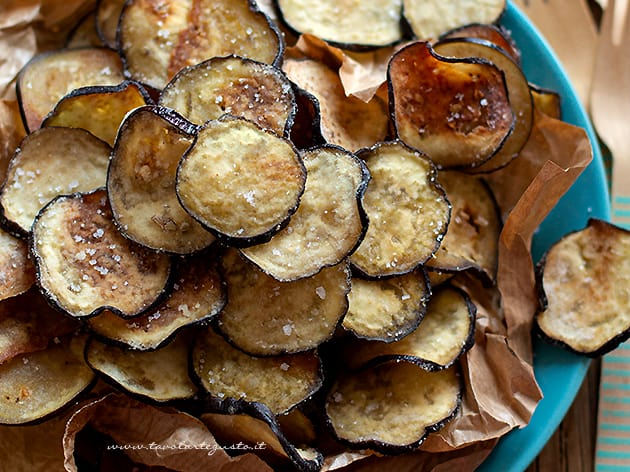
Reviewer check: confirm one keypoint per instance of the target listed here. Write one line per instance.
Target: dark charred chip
(242, 87)
(345, 120)
(17, 273)
(306, 130)
(141, 182)
(546, 101)
(430, 19)
(289, 316)
(455, 110)
(198, 295)
(387, 309)
(496, 34)
(36, 385)
(84, 265)
(51, 162)
(472, 239)
(160, 375)
(158, 40)
(48, 77)
(84, 33)
(279, 382)
(519, 96)
(98, 109)
(107, 15)
(346, 23)
(584, 281)
(240, 181)
(392, 407)
(329, 223)
(444, 334)
(407, 210)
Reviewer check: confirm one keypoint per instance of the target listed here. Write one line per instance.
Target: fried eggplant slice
(329, 223)
(239, 86)
(496, 34)
(239, 181)
(36, 385)
(98, 109)
(51, 162)
(472, 239)
(198, 295)
(107, 15)
(289, 316)
(445, 333)
(306, 130)
(141, 182)
(159, 376)
(279, 382)
(84, 34)
(345, 23)
(392, 407)
(85, 265)
(407, 209)
(518, 90)
(546, 101)
(430, 19)
(158, 40)
(455, 110)
(387, 309)
(345, 120)
(584, 281)
(49, 76)
(17, 272)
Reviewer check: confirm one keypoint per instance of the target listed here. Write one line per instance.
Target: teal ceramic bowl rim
(559, 373)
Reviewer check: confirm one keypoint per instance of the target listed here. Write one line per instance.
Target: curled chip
(546, 101)
(455, 110)
(17, 273)
(239, 181)
(407, 210)
(496, 34)
(242, 87)
(392, 407)
(584, 281)
(106, 20)
(84, 34)
(141, 182)
(329, 223)
(84, 265)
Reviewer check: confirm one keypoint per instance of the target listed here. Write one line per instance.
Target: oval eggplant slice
(289, 316)
(345, 23)
(157, 41)
(455, 110)
(407, 210)
(392, 407)
(49, 76)
(519, 94)
(107, 15)
(99, 109)
(84, 265)
(159, 376)
(242, 87)
(141, 182)
(240, 181)
(198, 295)
(329, 223)
(36, 385)
(584, 281)
(51, 162)
(279, 382)
(387, 309)
(17, 273)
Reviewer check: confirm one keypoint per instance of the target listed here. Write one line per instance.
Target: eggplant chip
(279, 382)
(240, 181)
(546, 101)
(407, 210)
(329, 223)
(306, 130)
(48, 77)
(17, 273)
(289, 316)
(584, 281)
(84, 34)
(107, 15)
(242, 87)
(392, 407)
(141, 182)
(455, 110)
(496, 34)
(84, 265)
(51, 162)
(156, 42)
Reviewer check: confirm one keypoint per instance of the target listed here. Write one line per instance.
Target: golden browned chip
(455, 110)
(107, 16)
(84, 33)
(584, 283)
(84, 264)
(345, 120)
(17, 273)
(496, 34)
(407, 210)
(547, 101)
